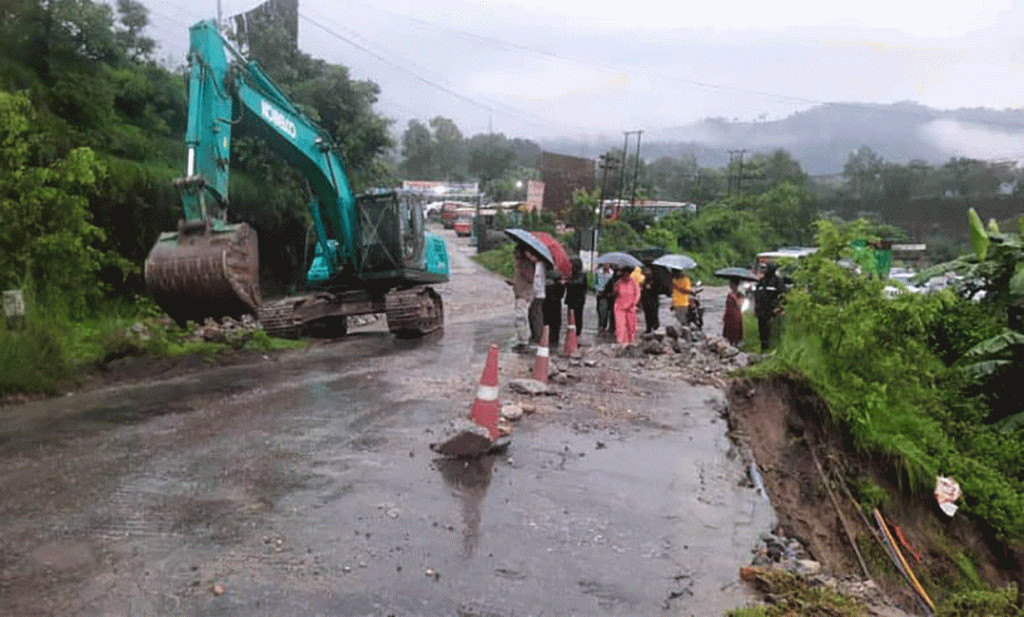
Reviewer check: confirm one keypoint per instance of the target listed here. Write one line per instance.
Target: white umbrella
(675, 262)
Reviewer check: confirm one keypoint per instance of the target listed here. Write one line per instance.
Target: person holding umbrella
(602, 278)
(522, 290)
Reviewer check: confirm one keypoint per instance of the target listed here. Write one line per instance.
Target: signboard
(534, 195)
(440, 187)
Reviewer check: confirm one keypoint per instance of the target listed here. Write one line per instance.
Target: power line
(489, 106)
(787, 98)
(393, 64)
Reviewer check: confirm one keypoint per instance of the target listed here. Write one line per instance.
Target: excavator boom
(366, 248)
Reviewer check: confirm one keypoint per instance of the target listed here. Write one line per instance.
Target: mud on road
(302, 484)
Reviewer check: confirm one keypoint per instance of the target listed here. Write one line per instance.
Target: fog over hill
(822, 137)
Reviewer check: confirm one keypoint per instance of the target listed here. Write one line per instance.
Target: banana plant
(995, 267)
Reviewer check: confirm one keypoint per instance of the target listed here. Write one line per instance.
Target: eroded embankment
(819, 484)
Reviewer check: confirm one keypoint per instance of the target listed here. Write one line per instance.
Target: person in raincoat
(682, 286)
(627, 296)
(554, 290)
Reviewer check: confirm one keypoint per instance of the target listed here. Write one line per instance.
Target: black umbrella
(736, 273)
(619, 260)
(532, 242)
(675, 262)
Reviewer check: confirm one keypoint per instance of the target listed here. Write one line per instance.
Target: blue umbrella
(532, 242)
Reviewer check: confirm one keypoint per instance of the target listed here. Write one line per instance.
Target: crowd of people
(622, 291)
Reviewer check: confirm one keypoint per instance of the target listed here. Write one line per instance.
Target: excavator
(371, 254)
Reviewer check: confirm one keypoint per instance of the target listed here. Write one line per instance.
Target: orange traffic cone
(485, 407)
(571, 342)
(540, 366)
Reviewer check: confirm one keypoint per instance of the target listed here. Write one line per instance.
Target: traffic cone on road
(485, 407)
(540, 366)
(571, 342)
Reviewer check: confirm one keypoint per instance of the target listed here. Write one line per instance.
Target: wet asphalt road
(303, 485)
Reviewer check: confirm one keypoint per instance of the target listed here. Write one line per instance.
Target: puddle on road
(468, 479)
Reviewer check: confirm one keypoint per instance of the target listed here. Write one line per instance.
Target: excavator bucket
(200, 272)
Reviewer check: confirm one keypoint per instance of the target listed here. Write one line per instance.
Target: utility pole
(625, 159)
(636, 168)
(622, 172)
(735, 155)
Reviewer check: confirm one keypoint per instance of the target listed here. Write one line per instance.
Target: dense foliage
(888, 368)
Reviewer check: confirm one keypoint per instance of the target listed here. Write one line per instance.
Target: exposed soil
(782, 422)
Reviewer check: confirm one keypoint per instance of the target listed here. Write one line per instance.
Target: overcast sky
(546, 68)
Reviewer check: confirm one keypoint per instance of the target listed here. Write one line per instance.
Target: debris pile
(778, 553)
(701, 359)
(232, 331)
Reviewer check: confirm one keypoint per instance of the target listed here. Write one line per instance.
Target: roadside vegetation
(923, 384)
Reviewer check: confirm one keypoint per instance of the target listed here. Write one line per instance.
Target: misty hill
(822, 137)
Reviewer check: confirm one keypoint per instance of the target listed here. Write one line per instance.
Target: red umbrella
(557, 252)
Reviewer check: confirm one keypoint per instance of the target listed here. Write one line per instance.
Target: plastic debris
(947, 491)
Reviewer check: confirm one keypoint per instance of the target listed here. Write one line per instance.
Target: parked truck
(372, 253)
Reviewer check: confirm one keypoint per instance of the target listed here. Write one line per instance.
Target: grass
(48, 347)
(792, 595)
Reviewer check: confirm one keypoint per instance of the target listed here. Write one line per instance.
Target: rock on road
(303, 484)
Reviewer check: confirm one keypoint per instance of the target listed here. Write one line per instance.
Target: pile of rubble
(701, 359)
(236, 332)
(777, 552)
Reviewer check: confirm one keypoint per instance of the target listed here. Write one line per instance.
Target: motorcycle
(694, 311)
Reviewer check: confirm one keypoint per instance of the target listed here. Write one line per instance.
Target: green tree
(778, 167)
(47, 234)
(449, 148)
(788, 212)
(418, 151)
(490, 156)
(134, 18)
(674, 179)
(863, 173)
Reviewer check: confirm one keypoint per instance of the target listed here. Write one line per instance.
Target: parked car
(464, 225)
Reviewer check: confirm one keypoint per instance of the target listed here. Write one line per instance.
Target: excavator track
(280, 318)
(414, 312)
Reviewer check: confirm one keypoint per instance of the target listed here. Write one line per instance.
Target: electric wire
(489, 106)
(684, 81)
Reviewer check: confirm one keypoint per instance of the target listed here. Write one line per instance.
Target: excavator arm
(209, 268)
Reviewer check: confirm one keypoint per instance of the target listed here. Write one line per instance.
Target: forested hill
(822, 138)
